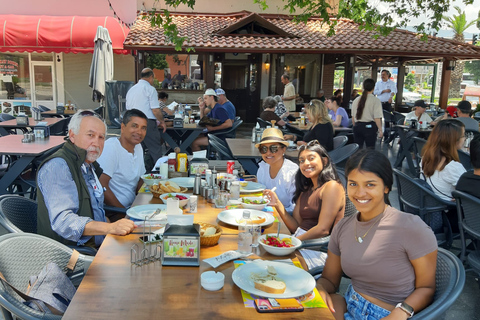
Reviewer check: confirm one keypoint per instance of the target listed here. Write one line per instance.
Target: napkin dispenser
(22, 120)
(181, 245)
(198, 165)
(178, 123)
(60, 109)
(41, 132)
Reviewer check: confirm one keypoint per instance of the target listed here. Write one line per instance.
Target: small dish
(254, 206)
(212, 281)
(151, 179)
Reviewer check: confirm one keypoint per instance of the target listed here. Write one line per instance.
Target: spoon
(266, 198)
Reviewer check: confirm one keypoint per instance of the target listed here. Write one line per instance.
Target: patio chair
(222, 149)
(339, 156)
(263, 123)
(469, 225)
(389, 122)
(7, 117)
(339, 141)
(418, 144)
(449, 281)
(24, 255)
(465, 160)
(414, 197)
(232, 132)
(43, 108)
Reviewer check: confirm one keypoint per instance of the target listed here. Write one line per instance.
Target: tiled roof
(202, 31)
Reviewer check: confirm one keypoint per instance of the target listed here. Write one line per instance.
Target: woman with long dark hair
(389, 255)
(367, 116)
(319, 196)
(337, 113)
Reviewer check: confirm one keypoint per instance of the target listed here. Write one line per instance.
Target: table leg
(168, 139)
(189, 139)
(15, 170)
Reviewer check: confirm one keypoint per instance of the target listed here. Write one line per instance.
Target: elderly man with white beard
(70, 196)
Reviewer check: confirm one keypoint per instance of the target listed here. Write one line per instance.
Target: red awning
(69, 34)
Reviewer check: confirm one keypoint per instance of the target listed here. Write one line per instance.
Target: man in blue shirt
(224, 102)
(70, 196)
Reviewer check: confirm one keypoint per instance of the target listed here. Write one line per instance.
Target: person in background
(321, 125)
(389, 255)
(464, 110)
(289, 95)
(419, 113)
(440, 165)
(451, 112)
(268, 113)
(70, 196)
(321, 95)
(122, 163)
(385, 90)
(319, 195)
(367, 116)
(217, 111)
(338, 94)
(280, 109)
(338, 114)
(143, 96)
(224, 102)
(354, 95)
(469, 182)
(162, 102)
(275, 170)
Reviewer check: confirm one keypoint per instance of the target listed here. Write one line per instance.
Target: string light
(115, 16)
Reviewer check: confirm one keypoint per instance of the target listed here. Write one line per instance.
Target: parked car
(409, 96)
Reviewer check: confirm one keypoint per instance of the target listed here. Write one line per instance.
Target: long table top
(113, 288)
(31, 122)
(12, 145)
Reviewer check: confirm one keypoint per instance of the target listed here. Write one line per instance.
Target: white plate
(298, 281)
(232, 216)
(185, 182)
(252, 187)
(139, 212)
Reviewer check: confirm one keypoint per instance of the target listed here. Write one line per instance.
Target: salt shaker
(193, 204)
(197, 183)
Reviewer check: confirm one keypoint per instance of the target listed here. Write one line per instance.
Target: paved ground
(466, 306)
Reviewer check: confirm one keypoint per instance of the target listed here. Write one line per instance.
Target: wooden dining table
(245, 152)
(12, 124)
(114, 288)
(55, 113)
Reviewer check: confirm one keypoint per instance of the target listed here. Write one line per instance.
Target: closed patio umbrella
(101, 69)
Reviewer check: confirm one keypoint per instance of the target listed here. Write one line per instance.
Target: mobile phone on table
(278, 305)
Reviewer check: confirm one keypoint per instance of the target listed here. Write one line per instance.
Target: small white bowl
(212, 281)
(151, 179)
(277, 251)
(181, 203)
(259, 207)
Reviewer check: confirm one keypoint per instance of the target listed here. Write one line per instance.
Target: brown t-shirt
(310, 205)
(380, 266)
(269, 116)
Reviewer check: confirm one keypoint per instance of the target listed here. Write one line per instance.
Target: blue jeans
(358, 308)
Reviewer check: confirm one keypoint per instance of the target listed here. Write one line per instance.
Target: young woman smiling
(275, 170)
(319, 196)
(389, 255)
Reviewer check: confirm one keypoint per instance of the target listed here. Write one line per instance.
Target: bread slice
(164, 187)
(173, 186)
(271, 286)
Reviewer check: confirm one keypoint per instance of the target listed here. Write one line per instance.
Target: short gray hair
(269, 102)
(278, 98)
(77, 118)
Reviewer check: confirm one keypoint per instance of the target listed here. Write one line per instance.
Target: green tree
(157, 61)
(410, 82)
(458, 23)
(473, 67)
(397, 14)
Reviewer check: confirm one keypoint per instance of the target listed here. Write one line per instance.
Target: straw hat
(272, 135)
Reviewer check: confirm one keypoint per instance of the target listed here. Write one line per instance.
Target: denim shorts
(358, 308)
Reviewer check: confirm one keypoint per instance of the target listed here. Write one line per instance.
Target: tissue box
(178, 123)
(60, 109)
(181, 245)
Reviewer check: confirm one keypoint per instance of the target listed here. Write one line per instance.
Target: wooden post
(400, 85)
(374, 70)
(444, 85)
(349, 78)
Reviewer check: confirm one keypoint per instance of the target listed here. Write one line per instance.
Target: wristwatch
(405, 308)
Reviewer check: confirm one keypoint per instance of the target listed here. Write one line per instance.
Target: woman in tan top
(319, 196)
(389, 255)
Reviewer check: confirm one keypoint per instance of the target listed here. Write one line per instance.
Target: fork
(155, 213)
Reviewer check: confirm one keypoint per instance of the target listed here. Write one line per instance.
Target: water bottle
(244, 235)
(254, 137)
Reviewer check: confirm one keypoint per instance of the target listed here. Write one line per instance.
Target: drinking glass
(222, 199)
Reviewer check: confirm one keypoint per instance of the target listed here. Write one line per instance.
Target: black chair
(414, 197)
(43, 108)
(418, 144)
(339, 141)
(340, 156)
(389, 122)
(465, 160)
(469, 225)
(232, 132)
(263, 123)
(221, 148)
(6, 117)
(449, 283)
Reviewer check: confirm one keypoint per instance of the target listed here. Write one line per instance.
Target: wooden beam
(400, 85)
(444, 85)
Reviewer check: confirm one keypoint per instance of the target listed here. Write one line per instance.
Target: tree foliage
(397, 14)
(157, 61)
(458, 22)
(410, 83)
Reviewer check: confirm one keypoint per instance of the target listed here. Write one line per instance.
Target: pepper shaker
(197, 183)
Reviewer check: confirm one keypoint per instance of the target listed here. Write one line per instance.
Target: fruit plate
(298, 281)
(233, 216)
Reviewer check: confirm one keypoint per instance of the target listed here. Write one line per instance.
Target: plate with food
(257, 203)
(234, 217)
(271, 279)
(166, 186)
(182, 198)
(282, 245)
(185, 182)
(250, 186)
(148, 210)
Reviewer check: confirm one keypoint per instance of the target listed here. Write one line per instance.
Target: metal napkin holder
(150, 251)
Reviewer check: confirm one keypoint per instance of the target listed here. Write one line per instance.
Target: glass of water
(256, 232)
(222, 199)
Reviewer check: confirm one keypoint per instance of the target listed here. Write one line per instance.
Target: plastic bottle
(244, 235)
(208, 176)
(172, 162)
(213, 178)
(254, 137)
(235, 190)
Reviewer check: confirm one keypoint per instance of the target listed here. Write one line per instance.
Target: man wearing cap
(209, 107)
(143, 96)
(464, 108)
(224, 102)
(419, 114)
(385, 89)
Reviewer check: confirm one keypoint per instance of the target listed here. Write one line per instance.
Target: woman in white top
(440, 164)
(275, 170)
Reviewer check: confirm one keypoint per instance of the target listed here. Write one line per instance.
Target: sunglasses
(308, 145)
(90, 113)
(273, 149)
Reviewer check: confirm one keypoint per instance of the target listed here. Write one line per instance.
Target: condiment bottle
(213, 178)
(244, 235)
(182, 162)
(172, 162)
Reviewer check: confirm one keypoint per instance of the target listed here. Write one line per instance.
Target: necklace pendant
(359, 239)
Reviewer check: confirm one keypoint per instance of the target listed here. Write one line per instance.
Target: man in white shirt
(288, 93)
(122, 163)
(419, 113)
(385, 89)
(143, 96)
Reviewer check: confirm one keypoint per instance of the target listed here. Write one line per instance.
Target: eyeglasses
(273, 149)
(308, 145)
(87, 113)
